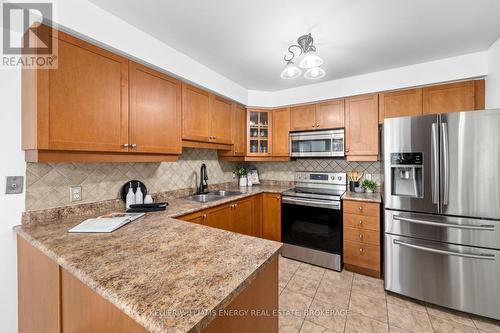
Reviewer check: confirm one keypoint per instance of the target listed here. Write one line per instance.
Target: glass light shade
(314, 73)
(290, 72)
(310, 59)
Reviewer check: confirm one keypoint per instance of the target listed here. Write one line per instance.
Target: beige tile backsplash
(47, 184)
(285, 171)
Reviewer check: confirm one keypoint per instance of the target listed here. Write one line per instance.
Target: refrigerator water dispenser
(407, 174)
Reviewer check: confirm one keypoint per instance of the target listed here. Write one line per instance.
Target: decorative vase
(243, 181)
(369, 190)
(353, 185)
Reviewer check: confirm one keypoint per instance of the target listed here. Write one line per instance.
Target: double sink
(212, 196)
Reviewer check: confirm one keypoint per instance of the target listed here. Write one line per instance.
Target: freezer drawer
(457, 230)
(459, 277)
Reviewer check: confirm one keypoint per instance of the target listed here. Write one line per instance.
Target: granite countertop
(166, 274)
(370, 197)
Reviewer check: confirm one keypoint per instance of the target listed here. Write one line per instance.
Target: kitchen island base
(51, 300)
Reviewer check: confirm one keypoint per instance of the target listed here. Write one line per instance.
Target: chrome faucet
(203, 179)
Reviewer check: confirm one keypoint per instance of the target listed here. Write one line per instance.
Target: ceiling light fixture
(314, 73)
(310, 60)
(290, 71)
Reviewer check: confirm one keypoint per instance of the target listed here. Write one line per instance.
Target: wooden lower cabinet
(196, 217)
(220, 217)
(51, 300)
(244, 216)
(257, 216)
(38, 291)
(362, 237)
(83, 310)
(260, 297)
(271, 216)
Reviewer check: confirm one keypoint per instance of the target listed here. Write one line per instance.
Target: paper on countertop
(106, 223)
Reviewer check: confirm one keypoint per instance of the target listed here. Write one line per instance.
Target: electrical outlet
(75, 193)
(14, 184)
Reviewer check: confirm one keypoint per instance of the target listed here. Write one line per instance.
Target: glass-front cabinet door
(259, 132)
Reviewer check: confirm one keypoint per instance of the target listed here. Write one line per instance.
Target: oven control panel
(339, 178)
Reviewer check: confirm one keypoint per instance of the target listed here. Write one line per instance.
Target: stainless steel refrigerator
(442, 209)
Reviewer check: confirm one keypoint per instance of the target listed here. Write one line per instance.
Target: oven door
(318, 144)
(311, 223)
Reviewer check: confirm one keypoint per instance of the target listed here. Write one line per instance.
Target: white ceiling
(246, 40)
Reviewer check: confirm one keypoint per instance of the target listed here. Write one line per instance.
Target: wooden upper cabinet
(259, 132)
(155, 111)
(82, 105)
(195, 114)
(281, 132)
(400, 104)
(220, 120)
(361, 127)
(205, 117)
(97, 106)
(239, 130)
(330, 114)
(453, 97)
(303, 117)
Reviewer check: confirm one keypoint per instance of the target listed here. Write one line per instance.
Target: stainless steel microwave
(317, 143)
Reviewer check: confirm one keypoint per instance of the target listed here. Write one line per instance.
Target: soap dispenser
(138, 195)
(130, 199)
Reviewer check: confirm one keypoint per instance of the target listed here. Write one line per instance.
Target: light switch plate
(75, 193)
(14, 184)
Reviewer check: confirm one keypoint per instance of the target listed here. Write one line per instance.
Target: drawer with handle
(362, 236)
(362, 255)
(362, 208)
(361, 222)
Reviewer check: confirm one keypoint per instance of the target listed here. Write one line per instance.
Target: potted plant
(242, 172)
(369, 185)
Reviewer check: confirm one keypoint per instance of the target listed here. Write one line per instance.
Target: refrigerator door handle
(434, 164)
(445, 252)
(485, 227)
(446, 163)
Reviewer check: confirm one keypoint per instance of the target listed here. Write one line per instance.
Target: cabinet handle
(360, 250)
(360, 236)
(133, 145)
(360, 208)
(314, 125)
(235, 205)
(360, 222)
(317, 125)
(125, 145)
(204, 216)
